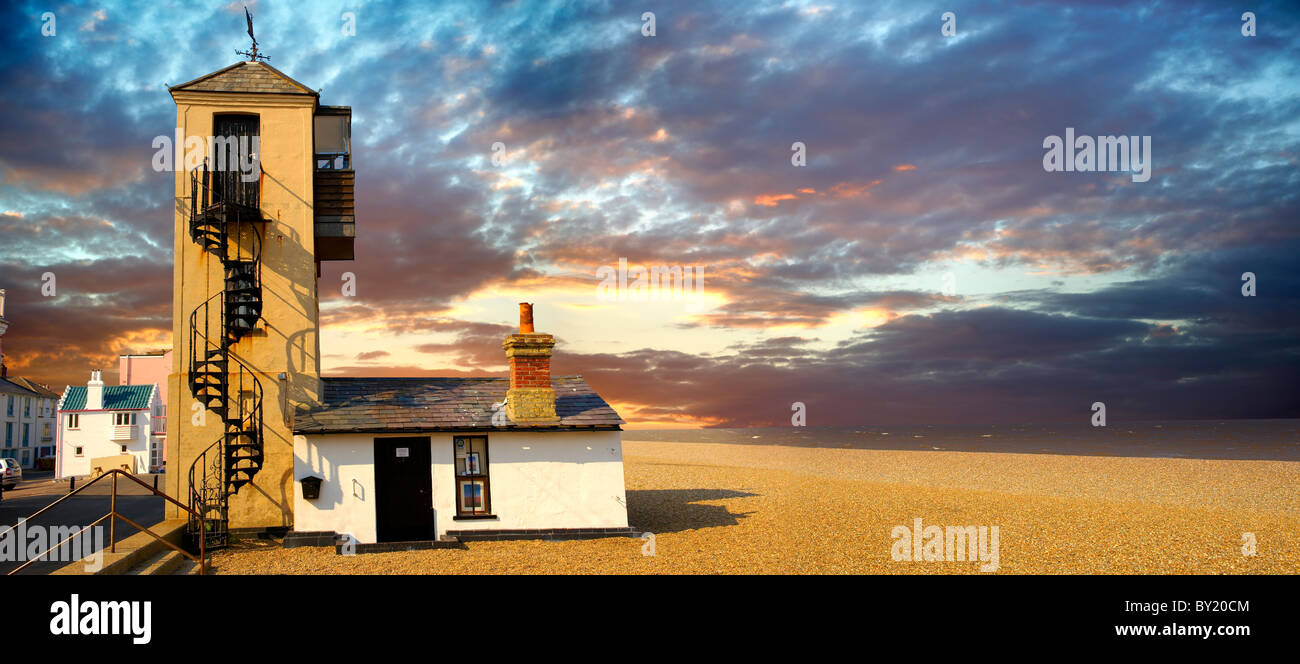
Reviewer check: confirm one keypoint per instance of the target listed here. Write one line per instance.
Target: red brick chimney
(530, 398)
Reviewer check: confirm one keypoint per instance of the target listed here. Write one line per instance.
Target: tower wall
(286, 339)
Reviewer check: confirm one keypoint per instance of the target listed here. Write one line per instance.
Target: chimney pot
(525, 318)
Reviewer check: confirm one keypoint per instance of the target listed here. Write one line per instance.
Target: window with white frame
(120, 419)
(73, 420)
(158, 423)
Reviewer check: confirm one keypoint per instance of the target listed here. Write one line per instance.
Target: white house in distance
(424, 459)
(103, 427)
(26, 419)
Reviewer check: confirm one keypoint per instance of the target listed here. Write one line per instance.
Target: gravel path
(722, 509)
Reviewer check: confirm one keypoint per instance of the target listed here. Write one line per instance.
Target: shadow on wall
(675, 510)
(284, 253)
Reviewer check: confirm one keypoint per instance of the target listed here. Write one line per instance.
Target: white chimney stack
(95, 392)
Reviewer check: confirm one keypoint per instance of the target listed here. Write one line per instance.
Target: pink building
(150, 369)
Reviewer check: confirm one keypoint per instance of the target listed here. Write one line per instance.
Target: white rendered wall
(347, 495)
(94, 435)
(537, 480)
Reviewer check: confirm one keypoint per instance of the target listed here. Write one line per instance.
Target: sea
(1277, 440)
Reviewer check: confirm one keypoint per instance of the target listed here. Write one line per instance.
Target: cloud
(924, 154)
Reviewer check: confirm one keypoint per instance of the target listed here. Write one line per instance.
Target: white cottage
(102, 427)
(420, 459)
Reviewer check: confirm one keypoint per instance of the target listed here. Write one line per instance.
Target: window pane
(477, 459)
(471, 463)
(331, 134)
(472, 496)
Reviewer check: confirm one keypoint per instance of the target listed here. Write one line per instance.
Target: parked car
(13, 473)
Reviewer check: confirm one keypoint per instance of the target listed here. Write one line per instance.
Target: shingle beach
(754, 509)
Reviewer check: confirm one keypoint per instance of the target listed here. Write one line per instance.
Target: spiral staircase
(225, 221)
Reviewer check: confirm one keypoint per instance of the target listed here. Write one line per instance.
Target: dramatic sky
(922, 267)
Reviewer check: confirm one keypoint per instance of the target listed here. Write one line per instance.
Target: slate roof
(443, 404)
(247, 77)
(12, 386)
(33, 386)
(116, 397)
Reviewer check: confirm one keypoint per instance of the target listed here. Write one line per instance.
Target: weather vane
(253, 56)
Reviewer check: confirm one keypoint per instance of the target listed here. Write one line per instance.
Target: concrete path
(38, 489)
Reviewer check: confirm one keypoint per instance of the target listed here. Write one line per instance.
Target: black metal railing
(333, 161)
(222, 222)
(112, 517)
(224, 195)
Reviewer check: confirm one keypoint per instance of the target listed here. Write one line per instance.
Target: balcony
(124, 432)
(336, 220)
(334, 185)
(228, 190)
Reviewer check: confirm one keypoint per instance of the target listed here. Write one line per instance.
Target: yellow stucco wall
(286, 339)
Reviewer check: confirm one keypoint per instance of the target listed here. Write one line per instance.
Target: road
(38, 489)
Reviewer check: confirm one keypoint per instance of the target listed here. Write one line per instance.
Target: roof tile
(116, 397)
(246, 77)
(409, 404)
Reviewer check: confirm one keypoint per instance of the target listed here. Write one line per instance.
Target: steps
(138, 552)
(168, 561)
(224, 221)
(243, 298)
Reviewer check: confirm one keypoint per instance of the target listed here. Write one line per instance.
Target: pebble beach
(767, 509)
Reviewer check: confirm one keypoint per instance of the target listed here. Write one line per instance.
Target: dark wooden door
(403, 489)
(229, 183)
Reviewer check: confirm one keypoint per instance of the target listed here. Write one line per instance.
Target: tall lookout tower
(264, 193)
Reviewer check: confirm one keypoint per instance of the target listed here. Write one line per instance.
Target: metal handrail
(248, 417)
(113, 514)
(225, 206)
(222, 187)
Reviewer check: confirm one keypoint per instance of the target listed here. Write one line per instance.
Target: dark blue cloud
(923, 150)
